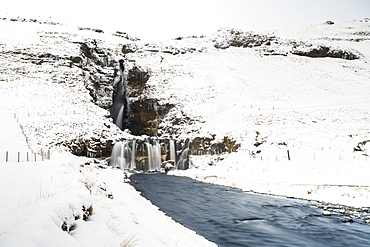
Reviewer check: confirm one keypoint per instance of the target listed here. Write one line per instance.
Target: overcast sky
(156, 19)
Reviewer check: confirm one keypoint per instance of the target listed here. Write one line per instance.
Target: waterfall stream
(119, 107)
(148, 154)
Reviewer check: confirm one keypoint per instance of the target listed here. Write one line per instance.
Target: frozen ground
(68, 201)
(64, 201)
(336, 182)
(317, 108)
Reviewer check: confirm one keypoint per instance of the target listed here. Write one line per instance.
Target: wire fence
(25, 156)
(293, 155)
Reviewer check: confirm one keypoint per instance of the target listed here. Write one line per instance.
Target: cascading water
(157, 160)
(172, 150)
(150, 156)
(119, 108)
(133, 153)
(183, 162)
(147, 155)
(154, 156)
(122, 155)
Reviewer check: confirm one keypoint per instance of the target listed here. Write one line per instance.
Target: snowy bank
(53, 94)
(338, 182)
(70, 201)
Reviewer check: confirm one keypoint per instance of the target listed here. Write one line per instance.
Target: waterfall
(118, 110)
(122, 155)
(119, 118)
(133, 152)
(154, 155)
(172, 150)
(157, 154)
(183, 162)
(149, 155)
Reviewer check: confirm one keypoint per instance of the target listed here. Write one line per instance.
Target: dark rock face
(141, 115)
(129, 48)
(208, 145)
(100, 70)
(272, 45)
(107, 86)
(361, 147)
(324, 51)
(329, 23)
(136, 80)
(147, 115)
(90, 147)
(240, 38)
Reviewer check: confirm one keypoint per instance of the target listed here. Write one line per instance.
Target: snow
(318, 109)
(46, 104)
(39, 197)
(338, 182)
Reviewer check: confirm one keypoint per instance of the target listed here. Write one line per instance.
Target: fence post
(42, 155)
(19, 156)
(35, 156)
(27, 157)
(7, 156)
(288, 155)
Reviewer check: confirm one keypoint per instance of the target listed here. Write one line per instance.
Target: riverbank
(340, 182)
(71, 201)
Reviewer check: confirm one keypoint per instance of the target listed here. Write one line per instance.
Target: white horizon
(166, 19)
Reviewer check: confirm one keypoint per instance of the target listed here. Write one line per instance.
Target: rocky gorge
(85, 65)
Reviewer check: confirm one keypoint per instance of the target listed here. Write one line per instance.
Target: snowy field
(317, 108)
(68, 201)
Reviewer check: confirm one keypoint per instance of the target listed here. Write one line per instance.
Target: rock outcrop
(101, 72)
(324, 51)
(147, 114)
(237, 38)
(268, 44)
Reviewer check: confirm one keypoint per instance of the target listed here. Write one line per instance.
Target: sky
(166, 19)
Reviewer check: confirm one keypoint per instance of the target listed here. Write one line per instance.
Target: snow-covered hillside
(302, 91)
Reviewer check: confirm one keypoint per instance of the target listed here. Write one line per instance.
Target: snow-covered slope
(264, 94)
(70, 201)
(64, 201)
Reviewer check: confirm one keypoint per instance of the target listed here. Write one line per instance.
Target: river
(231, 217)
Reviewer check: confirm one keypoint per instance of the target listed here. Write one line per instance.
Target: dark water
(230, 217)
